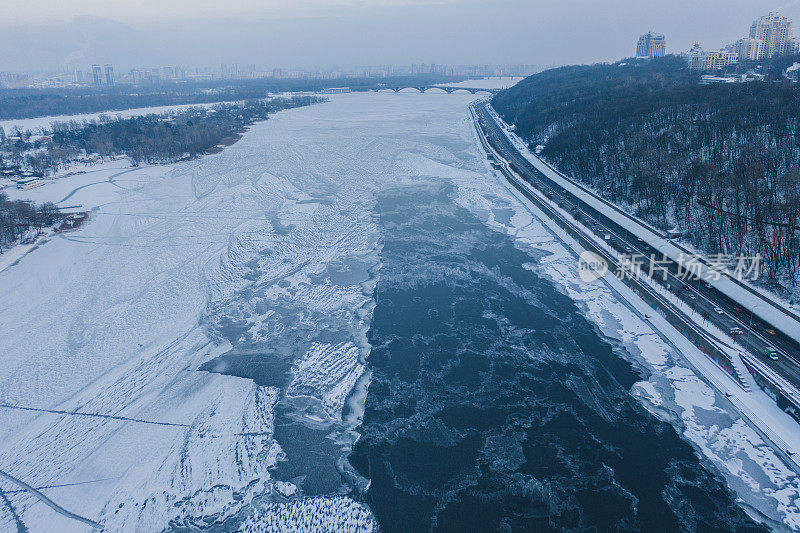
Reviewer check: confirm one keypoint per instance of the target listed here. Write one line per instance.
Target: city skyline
(322, 34)
(106, 75)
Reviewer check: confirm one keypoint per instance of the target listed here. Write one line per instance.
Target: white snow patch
(338, 514)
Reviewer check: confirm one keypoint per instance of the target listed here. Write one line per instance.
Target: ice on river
(270, 245)
(164, 340)
(767, 488)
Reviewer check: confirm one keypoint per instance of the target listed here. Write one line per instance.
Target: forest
(719, 161)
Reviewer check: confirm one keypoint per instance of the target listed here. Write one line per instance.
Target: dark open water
(495, 405)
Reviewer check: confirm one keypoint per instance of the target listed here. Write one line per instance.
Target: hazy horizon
(48, 35)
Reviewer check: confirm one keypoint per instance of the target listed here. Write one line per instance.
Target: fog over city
(47, 34)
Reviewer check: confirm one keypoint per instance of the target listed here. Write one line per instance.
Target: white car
(719, 311)
(736, 331)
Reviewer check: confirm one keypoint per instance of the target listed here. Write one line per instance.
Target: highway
(714, 307)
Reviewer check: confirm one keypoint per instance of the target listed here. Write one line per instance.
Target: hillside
(721, 162)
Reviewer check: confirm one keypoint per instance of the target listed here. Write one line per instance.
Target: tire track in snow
(98, 415)
(50, 503)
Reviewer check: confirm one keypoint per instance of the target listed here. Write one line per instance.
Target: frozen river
(203, 352)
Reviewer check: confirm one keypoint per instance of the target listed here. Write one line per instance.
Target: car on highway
(719, 311)
(692, 297)
(772, 353)
(739, 310)
(736, 331)
(771, 332)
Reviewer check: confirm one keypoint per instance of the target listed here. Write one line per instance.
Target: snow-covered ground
(82, 188)
(274, 244)
(116, 318)
(88, 186)
(38, 123)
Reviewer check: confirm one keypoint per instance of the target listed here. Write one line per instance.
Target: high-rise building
(775, 33)
(651, 45)
(747, 49)
(694, 57)
(109, 74)
(97, 75)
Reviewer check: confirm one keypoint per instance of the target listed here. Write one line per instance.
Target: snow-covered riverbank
(36, 124)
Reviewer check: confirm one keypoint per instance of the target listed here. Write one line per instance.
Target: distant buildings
(105, 75)
(705, 61)
(97, 75)
(747, 49)
(651, 45)
(775, 35)
(9, 80)
(109, 75)
(100, 76)
(770, 36)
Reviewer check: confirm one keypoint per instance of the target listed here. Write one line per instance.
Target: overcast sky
(47, 34)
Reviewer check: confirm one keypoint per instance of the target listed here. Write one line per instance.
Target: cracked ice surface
(223, 304)
(214, 314)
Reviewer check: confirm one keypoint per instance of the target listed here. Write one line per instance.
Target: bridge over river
(423, 88)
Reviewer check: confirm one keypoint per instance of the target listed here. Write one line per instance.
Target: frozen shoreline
(134, 300)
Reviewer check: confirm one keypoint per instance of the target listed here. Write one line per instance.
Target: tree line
(155, 138)
(17, 218)
(720, 161)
